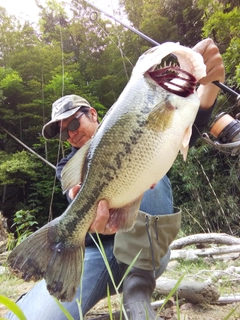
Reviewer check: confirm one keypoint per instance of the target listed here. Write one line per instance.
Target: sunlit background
(28, 10)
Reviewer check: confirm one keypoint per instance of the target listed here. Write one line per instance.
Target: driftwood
(192, 291)
(219, 238)
(193, 254)
(228, 299)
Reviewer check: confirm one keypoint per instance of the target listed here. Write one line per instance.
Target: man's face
(88, 125)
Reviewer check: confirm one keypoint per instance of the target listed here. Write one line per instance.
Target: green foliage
(163, 21)
(17, 168)
(94, 58)
(24, 221)
(232, 64)
(221, 22)
(206, 187)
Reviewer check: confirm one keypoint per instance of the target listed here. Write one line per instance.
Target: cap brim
(51, 129)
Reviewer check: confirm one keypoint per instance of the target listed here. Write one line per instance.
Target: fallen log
(192, 291)
(219, 238)
(192, 254)
(228, 299)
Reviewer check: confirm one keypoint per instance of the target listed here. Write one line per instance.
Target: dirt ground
(188, 311)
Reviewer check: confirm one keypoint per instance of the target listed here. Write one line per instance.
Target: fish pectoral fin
(39, 257)
(123, 219)
(185, 142)
(72, 171)
(159, 119)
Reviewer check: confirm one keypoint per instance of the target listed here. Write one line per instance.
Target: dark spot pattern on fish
(104, 176)
(127, 147)
(141, 123)
(108, 176)
(62, 231)
(118, 159)
(134, 139)
(112, 168)
(71, 222)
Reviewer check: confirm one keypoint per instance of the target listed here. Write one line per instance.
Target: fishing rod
(225, 129)
(222, 86)
(25, 146)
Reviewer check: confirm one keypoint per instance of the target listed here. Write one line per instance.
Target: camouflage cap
(63, 108)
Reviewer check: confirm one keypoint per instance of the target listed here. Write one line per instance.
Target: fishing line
(60, 144)
(94, 17)
(222, 86)
(28, 148)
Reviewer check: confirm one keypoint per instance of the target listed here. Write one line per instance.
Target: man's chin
(81, 142)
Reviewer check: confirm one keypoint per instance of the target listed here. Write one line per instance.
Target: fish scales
(133, 148)
(101, 179)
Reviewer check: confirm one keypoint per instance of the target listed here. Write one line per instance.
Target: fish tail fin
(64, 272)
(39, 256)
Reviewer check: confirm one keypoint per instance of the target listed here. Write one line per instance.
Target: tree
(76, 53)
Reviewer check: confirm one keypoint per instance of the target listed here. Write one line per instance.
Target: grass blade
(12, 306)
(231, 313)
(171, 293)
(109, 303)
(64, 310)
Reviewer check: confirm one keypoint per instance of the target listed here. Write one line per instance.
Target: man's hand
(73, 191)
(208, 91)
(99, 225)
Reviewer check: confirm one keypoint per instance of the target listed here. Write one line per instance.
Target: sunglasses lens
(63, 135)
(73, 125)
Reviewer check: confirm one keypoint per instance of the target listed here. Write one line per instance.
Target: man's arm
(207, 91)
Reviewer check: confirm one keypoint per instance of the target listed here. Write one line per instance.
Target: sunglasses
(72, 126)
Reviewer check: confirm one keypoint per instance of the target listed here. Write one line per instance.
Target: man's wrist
(207, 95)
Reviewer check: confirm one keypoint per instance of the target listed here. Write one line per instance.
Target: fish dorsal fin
(72, 171)
(185, 142)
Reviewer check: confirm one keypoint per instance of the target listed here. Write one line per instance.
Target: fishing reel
(225, 131)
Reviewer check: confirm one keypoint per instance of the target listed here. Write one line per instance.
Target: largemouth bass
(133, 148)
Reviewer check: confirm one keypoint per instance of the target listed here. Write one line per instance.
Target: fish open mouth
(174, 80)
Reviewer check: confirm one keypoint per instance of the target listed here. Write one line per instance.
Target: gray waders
(151, 235)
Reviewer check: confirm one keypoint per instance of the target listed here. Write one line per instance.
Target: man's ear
(94, 114)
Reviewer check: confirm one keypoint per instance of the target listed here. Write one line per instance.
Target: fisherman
(75, 120)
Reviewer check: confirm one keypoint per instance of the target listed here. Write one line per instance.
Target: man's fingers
(73, 191)
(213, 61)
(100, 223)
